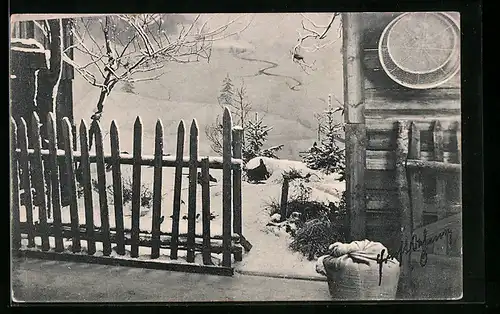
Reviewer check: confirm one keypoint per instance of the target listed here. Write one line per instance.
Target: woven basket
(353, 272)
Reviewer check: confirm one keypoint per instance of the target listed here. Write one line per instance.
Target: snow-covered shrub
(146, 196)
(313, 239)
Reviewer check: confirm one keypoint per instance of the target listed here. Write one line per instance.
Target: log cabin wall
(385, 103)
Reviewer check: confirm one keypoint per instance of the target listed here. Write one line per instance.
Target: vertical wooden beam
(226, 188)
(87, 188)
(284, 199)
(117, 188)
(416, 184)
(157, 183)
(402, 144)
(136, 188)
(14, 183)
(177, 190)
(192, 194)
(355, 129)
(205, 207)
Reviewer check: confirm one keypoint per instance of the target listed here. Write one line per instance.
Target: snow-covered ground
(270, 252)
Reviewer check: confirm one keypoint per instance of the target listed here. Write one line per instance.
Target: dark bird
(298, 57)
(258, 173)
(199, 178)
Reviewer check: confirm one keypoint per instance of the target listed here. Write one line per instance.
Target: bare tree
(312, 37)
(237, 102)
(131, 48)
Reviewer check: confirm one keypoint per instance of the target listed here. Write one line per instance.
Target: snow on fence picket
(36, 168)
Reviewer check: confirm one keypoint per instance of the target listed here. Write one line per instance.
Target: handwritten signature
(412, 246)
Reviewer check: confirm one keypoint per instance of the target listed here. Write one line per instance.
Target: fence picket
(101, 186)
(54, 181)
(117, 188)
(402, 141)
(70, 173)
(157, 185)
(193, 176)
(87, 188)
(205, 203)
(226, 187)
(440, 246)
(416, 184)
(237, 193)
(38, 175)
(14, 183)
(24, 165)
(136, 187)
(177, 190)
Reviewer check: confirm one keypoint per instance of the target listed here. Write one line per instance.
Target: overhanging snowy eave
(29, 45)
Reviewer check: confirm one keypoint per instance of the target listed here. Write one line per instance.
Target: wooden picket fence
(35, 168)
(429, 187)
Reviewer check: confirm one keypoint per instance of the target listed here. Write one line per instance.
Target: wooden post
(54, 181)
(416, 184)
(284, 199)
(355, 129)
(136, 188)
(226, 188)
(73, 201)
(402, 142)
(177, 190)
(26, 180)
(193, 176)
(157, 183)
(237, 146)
(117, 188)
(103, 193)
(440, 246)
(39, 182)
(14, 183)
(205, 204)
(87, 188)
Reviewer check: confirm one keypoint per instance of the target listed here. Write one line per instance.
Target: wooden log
(117, 187)
(355, 186)
(205, 189)
(416, 184)
(67, 134)
(353, 68)
(193, 178)
(434, 166)
(380, 160)
(237, 191)
(14, 183)
(177, 189)
(54, 181)
(26, 178)
(157, 194)
(227, 126)
(378, 199)
(87, 187)
(101, 185)
(284, 199)
(136, 187)
(402, 182)
(38, 175)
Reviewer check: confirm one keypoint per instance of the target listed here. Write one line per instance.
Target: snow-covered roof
(30, 45)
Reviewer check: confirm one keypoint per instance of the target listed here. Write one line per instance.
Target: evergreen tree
(327, 157)
(226, 96)
(256, 133)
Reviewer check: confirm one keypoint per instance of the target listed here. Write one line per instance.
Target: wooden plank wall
(385, 103)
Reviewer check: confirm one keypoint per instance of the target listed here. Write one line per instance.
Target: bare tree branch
(314, 32)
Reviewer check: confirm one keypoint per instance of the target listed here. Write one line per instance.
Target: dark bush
(313, 239)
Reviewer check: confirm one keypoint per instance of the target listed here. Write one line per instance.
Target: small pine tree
(226, 96)
(327, 157)
(256, 133)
